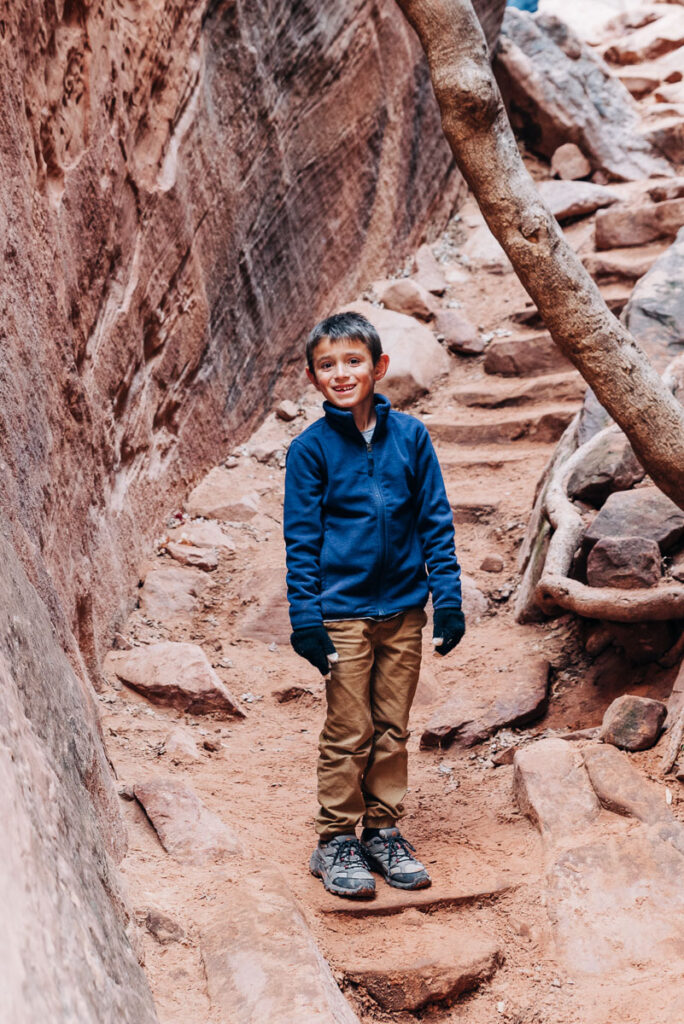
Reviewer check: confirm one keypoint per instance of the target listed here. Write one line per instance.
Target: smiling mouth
(346, 387)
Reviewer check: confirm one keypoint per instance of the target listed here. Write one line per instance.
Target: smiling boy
(369, 534)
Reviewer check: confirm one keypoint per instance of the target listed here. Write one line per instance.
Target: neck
(364, 414)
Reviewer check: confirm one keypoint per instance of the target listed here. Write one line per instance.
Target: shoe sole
(421, 883)
(350, 894)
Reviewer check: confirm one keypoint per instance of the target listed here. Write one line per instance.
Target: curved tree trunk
(477, 128)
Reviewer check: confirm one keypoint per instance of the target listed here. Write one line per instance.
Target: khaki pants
(362, 764)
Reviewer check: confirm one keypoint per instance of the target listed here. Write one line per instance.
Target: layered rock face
(186, 187)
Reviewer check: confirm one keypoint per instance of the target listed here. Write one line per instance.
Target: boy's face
(344, 372)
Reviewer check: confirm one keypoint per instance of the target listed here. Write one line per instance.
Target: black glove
(449, 626)
(314, 644)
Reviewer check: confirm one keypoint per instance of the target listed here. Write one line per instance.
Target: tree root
(557, 590)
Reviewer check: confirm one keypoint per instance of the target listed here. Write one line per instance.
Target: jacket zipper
(381, 512)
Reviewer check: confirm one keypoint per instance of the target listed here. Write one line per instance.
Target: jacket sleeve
(303, 528)
(436, 527)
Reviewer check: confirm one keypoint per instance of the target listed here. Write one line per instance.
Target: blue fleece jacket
(363, 522)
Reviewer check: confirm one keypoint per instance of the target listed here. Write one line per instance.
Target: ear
(381, 367)
(312, 378)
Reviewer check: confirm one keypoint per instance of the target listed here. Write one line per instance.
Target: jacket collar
(342, 420)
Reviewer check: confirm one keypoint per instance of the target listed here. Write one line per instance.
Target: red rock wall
(185, 187)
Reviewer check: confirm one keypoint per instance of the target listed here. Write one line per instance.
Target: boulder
(567, 199)
(638, 223)
(633, 723)
(171, 593)
(652, 40)
(558, 91)
(645, 512)
(428, 273)
(569, 163)
(530, 356)
(198, 558)
(610, 466)
(625, 562)
(287, 410)
(471, 715)
(416, 357)
(203, 535)
(215, 498)
(187, 829)
(654, 314)
(460, 335)
(406, 296)
(552, 789)
(262, 963)
(175, 674)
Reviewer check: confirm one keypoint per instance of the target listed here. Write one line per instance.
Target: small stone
(460, 335)
(203, 535)
(171, 593)
(180, 745)
(175, 674)
(625, 562)
(633, 723)
(569, 163)
(164, 929)
(270, 453)
(231, 462)
(215, 498)
(406, 296)
(428, 272)
(199, 558)
(121, 642)
(287, 410)
(291, 693)
(187, 829)
(212, 745)
(126, 793)
(492, 563)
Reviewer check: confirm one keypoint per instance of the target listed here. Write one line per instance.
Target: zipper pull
(369, 450)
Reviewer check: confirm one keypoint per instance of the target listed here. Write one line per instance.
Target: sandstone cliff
(185, 186)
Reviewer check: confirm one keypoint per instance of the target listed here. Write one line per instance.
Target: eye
(355, 360)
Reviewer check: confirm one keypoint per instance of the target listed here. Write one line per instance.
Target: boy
(365, 513)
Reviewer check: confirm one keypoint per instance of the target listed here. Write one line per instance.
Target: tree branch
(477, 128)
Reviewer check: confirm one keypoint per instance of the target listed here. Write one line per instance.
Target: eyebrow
(345, 352)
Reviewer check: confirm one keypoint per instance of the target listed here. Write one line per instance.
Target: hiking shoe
(391, 854)
(343, 867)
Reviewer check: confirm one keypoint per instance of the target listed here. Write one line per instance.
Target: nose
(340, 372)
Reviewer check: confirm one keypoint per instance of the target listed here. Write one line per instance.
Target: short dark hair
(339, 326)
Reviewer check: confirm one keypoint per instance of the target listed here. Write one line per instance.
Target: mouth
(344, 389)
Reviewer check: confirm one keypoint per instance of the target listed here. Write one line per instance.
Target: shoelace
(351, 854)
(398, 849)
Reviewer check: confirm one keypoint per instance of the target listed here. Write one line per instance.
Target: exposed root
(557, 590)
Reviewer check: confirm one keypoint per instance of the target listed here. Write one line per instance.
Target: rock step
(261, 961)
(490, 457)
(421, 963)
(532, 355)
(496, 394)
(545, 423)
(395, 901)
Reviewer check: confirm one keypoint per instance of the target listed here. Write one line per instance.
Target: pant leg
(347, 736)
(397, 649)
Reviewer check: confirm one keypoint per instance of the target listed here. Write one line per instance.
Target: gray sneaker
(391, 854)
(343, 867)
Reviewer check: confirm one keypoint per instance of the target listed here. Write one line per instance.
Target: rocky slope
(184, 186)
